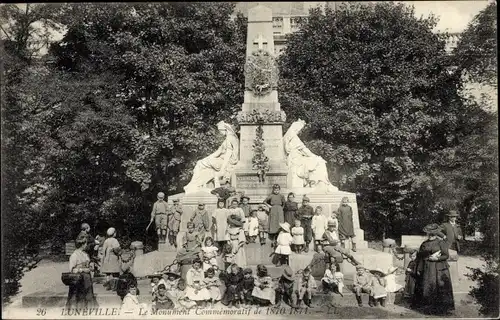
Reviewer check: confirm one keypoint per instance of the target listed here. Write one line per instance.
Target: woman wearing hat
(433, 287)
(110, 264)
(237, 239)
(276, 216)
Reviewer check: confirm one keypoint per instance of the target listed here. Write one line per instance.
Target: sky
(453, 15)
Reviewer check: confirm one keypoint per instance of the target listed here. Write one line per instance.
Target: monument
(291, 164)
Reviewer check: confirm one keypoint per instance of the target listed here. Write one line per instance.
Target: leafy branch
(260, 161)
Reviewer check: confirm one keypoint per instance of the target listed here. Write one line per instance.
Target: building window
(278, 25)
(295, 22)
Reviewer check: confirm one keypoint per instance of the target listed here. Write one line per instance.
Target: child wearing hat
(362, 284)
(212, 283)
(283, 249)
(253, 226)
(232, 278)
(237, 239)
(263, 218)
(156, 280)
(159, 216)
(284, 290)
(247, 285)
(264, 292)
(110, 264)
(276, 215)
(306, 286)
(305, 214)
(318, 225)
(171, 282)
(174, 222)
(378, 293)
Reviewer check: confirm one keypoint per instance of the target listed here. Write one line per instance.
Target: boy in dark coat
(232, 279)
(305, 214)
(247, 285)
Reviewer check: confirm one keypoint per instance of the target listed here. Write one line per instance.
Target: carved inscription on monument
(252, 181)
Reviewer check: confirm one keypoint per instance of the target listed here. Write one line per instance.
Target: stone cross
(260, 41)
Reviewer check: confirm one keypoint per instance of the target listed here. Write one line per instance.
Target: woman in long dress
(110, 264)
(305, 168)
(81, 295)
(218, 164)
(276, 215)
(433, 287)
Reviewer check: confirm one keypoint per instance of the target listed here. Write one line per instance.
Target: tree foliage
(373, 85)
(128, 99)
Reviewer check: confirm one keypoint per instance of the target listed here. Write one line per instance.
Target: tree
(128, 100)
(373, 84)
(21, 216)
(476, 59)
(476, 51)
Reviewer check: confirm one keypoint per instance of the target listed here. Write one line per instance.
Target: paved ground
(47, 275)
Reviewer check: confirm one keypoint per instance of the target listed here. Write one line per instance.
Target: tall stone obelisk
(260, 106)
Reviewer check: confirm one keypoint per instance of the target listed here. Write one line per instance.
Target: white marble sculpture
(305, 169)
(219, 164)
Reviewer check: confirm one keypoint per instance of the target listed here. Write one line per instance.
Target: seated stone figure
(217, 165)
(304, 167)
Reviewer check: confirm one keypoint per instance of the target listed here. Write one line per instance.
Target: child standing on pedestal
(159, 216)
(253, 226)
(318, 225)
(306, 213)
(346, 224)
(298, 237)
(276, 216)
(263, 218)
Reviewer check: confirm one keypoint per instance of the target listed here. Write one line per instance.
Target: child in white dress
(209, 252)
(253, 226)
(283, 242)
(298, 237)
(318, 225)
(333, 280)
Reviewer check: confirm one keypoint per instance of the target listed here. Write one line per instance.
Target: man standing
(346, 224)
(452, 231)
(174, 222)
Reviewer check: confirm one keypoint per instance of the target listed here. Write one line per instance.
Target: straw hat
(155, 275)
(172, 274)
(379, 271)
(288, 273)
(285, 226)
(331, 222)
(245, 197)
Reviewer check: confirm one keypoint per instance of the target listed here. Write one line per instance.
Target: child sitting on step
(212, 283)
(333, 280)
(247, 285)
(161, 299)
(379, 293)
(306, 286)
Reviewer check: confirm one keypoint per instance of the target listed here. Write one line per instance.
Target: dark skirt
(409, 286)
(81, 295)
(433, 288)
